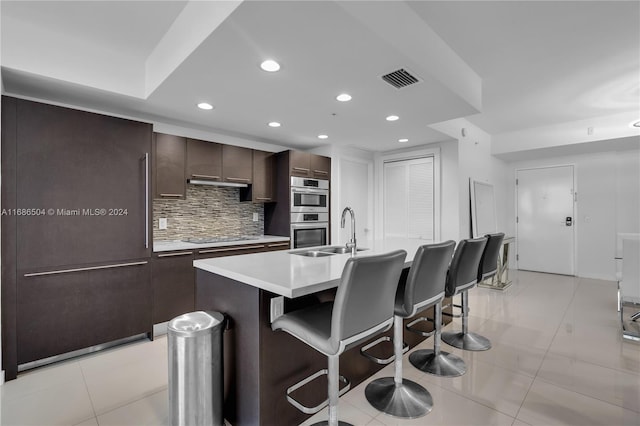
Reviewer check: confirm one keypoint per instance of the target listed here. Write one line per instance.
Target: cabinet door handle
(238, 179)
(279, 245)
(230, 249)
(205, 177)
(146, 200)
(90, 268)
(171, 195)
(301, 169)
(321, 172)
(263, 198)
(182, 253)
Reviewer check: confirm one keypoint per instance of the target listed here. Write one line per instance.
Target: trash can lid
(193, 323)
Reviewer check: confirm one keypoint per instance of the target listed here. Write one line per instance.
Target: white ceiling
(532, 64)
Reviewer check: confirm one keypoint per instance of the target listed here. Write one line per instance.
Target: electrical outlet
(162, 223)
(277, 307)
(255, 217)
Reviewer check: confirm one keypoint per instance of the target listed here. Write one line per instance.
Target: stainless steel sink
(339, 250)
(314, 253)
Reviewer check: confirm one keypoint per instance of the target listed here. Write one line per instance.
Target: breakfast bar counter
(261, 364)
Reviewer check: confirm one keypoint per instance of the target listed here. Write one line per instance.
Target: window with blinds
(408, 198)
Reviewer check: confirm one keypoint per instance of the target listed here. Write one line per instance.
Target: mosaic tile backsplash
(208, 211)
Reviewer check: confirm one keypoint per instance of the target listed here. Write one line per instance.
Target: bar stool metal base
(443, 365)
(326, 423)
(408, 400)
(468, 341)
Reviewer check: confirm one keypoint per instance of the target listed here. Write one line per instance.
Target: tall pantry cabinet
(76, 236)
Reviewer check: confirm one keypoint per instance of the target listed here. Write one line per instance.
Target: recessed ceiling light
(392, 118)
(270, 65)
(274, 124)
(343, 97)
(323, 136)
(403, 140)
(204, 105)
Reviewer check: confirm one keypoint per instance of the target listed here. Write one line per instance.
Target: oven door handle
(310, 191)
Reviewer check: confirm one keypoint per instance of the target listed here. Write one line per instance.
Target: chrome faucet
(352, 243)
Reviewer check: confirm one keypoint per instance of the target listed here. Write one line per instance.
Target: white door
(355, 192)
(545, 219)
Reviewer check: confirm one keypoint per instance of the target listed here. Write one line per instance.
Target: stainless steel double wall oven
(309, 212)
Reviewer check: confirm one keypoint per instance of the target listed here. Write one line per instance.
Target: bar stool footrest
(382, 361)
(309, 379)
(411, 327)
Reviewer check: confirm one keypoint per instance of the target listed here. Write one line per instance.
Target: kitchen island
(261, 364)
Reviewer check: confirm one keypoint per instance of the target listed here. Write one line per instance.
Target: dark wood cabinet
(262, 190)
(204, 160)
(210, 252)
(169, 162)
(173, 278)
(89, 175)
(320, 166)
(63, 312)
(237, 164)
(75, 253)
(305, 164)
(299, 163)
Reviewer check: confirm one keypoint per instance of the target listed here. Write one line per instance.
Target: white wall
(477, 163)
(608, 188)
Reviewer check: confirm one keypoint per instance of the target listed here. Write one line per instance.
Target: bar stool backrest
(489, 261)
(463, 271)
(426, 280)
(365, 296)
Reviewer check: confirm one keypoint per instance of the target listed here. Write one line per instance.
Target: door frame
(574, 267)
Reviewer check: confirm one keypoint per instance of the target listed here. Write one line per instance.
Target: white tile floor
(557, 358)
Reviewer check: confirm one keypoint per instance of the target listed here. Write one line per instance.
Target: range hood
(216, 183)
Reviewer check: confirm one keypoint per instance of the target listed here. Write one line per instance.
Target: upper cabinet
(305, 164)
(262, 190)
(204, 160)
(218, 162)
(169, 159)
(320, 166)
(237, 164)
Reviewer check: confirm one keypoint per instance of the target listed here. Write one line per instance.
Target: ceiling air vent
(400, 78)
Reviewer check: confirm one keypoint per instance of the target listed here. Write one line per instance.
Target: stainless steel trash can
(195, 369)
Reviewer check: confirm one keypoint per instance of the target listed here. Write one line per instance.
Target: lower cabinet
(63, 311)
(173, 279)
(173, 276)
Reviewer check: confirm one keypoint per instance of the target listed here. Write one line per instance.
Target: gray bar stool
(460, 280)
(489, 262)
(362, 308)
(463, 271)
(423, 288)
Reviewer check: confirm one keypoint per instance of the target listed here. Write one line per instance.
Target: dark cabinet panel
(64, 312)
(204, 160)
(299, 163)
(320, 166)
(262, 189)
(169, 159)
(306, 164)
(173, 277)
(237, 164)
(90, 175)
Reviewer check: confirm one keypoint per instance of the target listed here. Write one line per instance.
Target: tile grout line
(86, 386)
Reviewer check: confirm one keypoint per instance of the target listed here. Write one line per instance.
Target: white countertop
(160, 246)
(290, 275)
